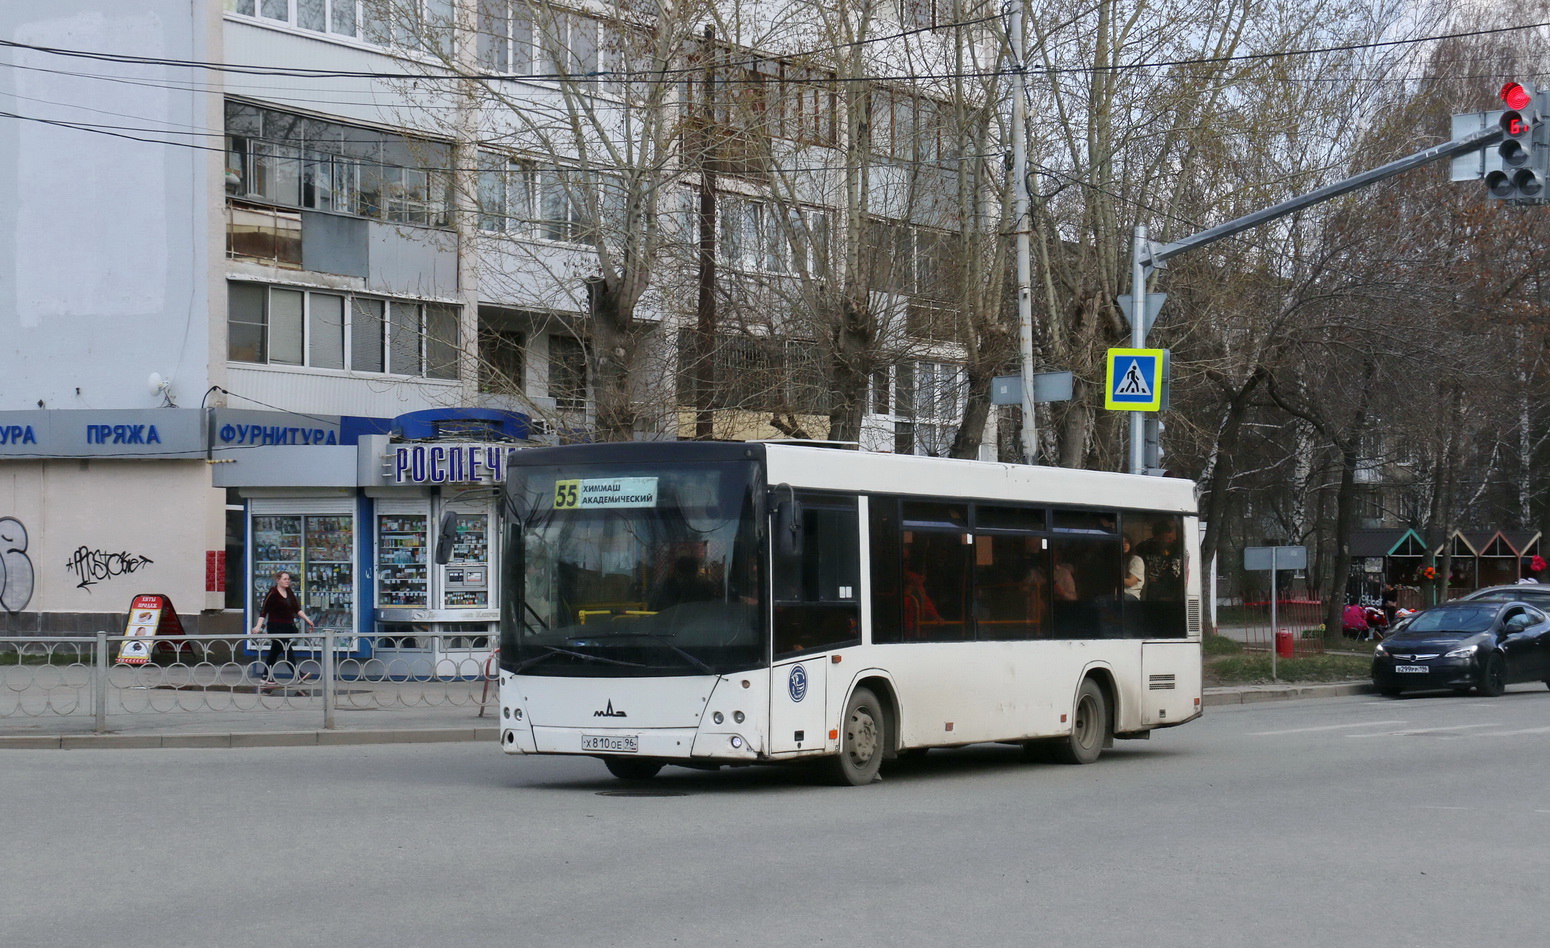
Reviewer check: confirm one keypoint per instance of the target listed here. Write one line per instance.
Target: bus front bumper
(657, 743)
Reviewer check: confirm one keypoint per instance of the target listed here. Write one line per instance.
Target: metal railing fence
(1250, 624)
(72, 676)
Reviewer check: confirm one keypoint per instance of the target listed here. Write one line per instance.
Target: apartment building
(282, 281)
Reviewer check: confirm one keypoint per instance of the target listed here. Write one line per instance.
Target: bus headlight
(717, 717)
(737, 742)
(737, 716)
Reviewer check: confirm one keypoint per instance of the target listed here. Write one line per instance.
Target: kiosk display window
(466, 577)
(329, 587)
(402, 562)
(276, 547)
(318, 551)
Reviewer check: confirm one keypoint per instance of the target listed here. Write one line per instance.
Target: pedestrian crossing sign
(1136, 379)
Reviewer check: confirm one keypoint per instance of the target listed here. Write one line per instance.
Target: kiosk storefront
(361, 536)
(430, 618)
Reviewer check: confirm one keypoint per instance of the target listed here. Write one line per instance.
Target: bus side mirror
(446, 538)
(788, 527)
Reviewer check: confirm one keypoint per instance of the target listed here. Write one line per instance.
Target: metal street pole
(1275, 628)
(1139, 249)
(1020, 211)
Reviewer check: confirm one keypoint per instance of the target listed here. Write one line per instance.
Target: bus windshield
(632, 570)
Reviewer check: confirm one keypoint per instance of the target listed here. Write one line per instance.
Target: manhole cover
(641, 793)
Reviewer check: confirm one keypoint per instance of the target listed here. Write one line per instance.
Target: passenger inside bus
(918, 607)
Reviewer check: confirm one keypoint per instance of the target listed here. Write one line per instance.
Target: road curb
(1255, 694)
(437, 735)
(1213, 697)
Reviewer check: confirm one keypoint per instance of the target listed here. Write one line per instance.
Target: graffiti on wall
(93, 566)
(15, 566)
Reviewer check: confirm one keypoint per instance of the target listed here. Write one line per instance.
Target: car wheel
(1089, 727)
(863, 733)
(1493, 678)
(630, 768)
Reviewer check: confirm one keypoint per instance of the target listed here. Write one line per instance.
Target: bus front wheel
(1089, 727)
(863, 733)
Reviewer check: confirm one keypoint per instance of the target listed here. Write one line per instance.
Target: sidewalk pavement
(299, 728)
(1284, 691)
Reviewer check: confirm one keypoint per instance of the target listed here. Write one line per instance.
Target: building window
(500, 361)
(756, 373)
(756, 97)
(425, 25)
(274, 325)
(567, 372)
(755, 235)
(909, 127)
(555, 43)
(926, 399)
(923, 14)
(522, 199)
(291, 160)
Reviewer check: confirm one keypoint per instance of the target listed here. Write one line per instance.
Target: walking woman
(281, 609)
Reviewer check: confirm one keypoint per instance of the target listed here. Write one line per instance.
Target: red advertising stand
(151, 616)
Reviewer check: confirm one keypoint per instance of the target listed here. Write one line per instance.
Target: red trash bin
(1283, 644)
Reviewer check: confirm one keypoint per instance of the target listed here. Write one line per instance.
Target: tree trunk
(1218, 475)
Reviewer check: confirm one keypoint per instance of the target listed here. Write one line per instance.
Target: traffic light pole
(1138, 313)
(1147, 257)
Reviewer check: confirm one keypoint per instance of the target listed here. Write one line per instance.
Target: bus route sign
(1135, 379)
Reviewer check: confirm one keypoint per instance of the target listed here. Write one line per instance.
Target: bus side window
(887, 596)
(1160, 546)
(1011, 587)
(936, 586)
(1085, 584)
(818, 591)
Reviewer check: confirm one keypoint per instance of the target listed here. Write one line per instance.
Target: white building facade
(251, 249)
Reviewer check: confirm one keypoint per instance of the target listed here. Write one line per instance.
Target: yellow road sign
(1135, 379)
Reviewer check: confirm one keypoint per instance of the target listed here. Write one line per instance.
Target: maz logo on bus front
(609, 712)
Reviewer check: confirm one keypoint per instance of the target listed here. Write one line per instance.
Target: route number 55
(567, 495)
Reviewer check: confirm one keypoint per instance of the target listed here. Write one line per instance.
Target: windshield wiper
(528, 607)
(553, 651)
(659, 637)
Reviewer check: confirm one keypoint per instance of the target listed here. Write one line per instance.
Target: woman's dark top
(279, 608)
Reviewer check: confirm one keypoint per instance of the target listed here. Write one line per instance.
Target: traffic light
(1151, 440)
(1524, 151)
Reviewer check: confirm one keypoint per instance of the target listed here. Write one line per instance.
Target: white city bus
(705, 604)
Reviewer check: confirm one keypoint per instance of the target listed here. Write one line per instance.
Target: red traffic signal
(1516, 97)
(1517, 124)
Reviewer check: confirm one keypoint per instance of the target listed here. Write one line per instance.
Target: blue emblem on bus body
(797, 684)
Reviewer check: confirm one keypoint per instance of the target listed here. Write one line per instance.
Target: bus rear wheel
(632, 768)
(1089, 727)
(863, 733)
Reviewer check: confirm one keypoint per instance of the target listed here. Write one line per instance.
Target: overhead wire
(664, 75)
(126, 132)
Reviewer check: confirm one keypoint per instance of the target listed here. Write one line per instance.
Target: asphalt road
(1340, 821)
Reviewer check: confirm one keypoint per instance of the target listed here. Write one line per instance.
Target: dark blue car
(1482, 644)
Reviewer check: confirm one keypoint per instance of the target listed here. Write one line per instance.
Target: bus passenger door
(816, 585)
